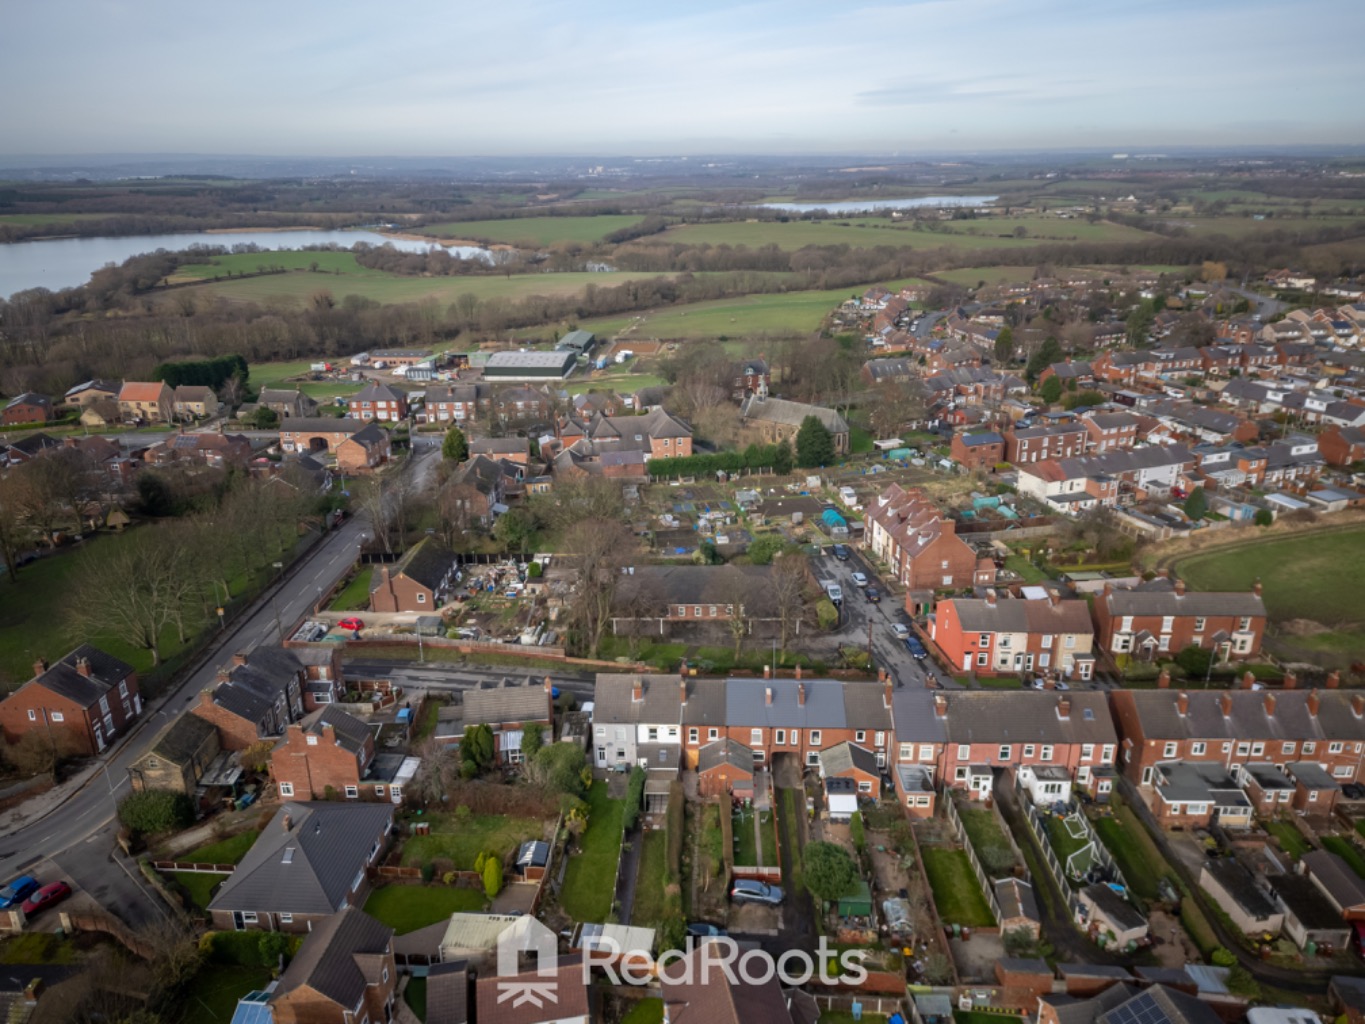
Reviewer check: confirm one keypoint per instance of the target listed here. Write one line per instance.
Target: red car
(45, 897)
(352, 623)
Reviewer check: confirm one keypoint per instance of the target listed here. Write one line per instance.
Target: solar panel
(1141, 1009)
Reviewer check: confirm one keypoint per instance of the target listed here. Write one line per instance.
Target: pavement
(72, 826)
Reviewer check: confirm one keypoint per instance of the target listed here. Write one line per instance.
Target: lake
(864, 205)
(58, 263)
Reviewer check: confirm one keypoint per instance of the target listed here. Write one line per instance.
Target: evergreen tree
(814, 444)
(455, 448)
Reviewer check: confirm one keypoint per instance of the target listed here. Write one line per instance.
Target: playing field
(533, 230)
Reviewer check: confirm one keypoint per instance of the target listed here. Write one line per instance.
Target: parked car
(705, 930)
(17, 891)
(901, 630)
(352, 622)
(916, 648)
(841, 552)
(747, 890)
(834, 592)
(1061, 685)
(49, 895)
(872, 594)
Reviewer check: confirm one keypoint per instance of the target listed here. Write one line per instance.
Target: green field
(405, 908)
(1313, 576)
(27, 220)
(590, 879)
(535, 230)
(355, 596)
(1244, 227)
(461, 842)
(970, 276)
(255, 262)
(956, 894)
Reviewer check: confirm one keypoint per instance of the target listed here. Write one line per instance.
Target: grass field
(590, 879)
(646, 1011)
(983, 829)
(970, 276)
(356, 594)
(27, 220)
(1247, 227)
(1313, 576)
(648, 909)
(253, 262)
(198, 885)
(622, 383)
(212, 997)
(415, 995)
(461, 842)
(1137, 856)
(405, 908)
(534, 230)
(956, 895)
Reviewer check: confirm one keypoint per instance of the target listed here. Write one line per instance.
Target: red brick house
(420, 581)
(1234, 728)
(962, 737)
(803, 718)
(1342, 446)
(978, 451)
(1160, 618)
(330, 755)
(258, 694)
(380, 402)
(81, 703)
(28, 407)
(507, 708)
(725, 768)
(1111, 430)
(855, 763)
(458, 403)
(906, 530)
(991, 636)
(657, 434)
(1037, 444)
(366, 449)
(750, 377)
(344, 973)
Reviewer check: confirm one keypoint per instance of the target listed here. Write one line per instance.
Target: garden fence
(1054, 866)
(981, 878)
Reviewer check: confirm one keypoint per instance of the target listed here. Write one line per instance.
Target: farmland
(536, 230)
(969, 276)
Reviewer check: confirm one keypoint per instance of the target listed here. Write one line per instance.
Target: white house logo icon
(525, 938)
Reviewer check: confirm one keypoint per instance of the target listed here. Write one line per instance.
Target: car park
(49, 895)
(860, 579)
(17, 891)
(872, 594)
(834, 592)
(841, 552)
(916, 648)
(748, 890)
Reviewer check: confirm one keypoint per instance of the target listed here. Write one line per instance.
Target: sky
(659, 77)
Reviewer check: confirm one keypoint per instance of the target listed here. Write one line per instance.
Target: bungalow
(344, 972)
(507, 708)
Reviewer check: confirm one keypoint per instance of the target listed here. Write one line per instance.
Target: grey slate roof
(1343, 886)
(847, 756)
(1305, 902)
(705, 707)
(1268, 777)
(792, 414)
(426, 562)
(331, 842)
(1113, 906)
(507, 701)
(1204, 719)
(333, 958)
(746, 704)
(725, 752)
(106, 672)
(1192, 602)
(697, 584)
(1198, 781)
(179, 740)
(351, 732)
(1024, 616)
(1311, 775)
(320, 425)
(1002, 716)
(1016, 899)
(448, 992)
(252, 689)
(660, 703)
(1240, 884)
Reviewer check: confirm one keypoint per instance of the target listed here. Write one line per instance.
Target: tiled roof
(507, 701)
(178, 741)
(1019, 615)
(139, 391)
(792, 414)
(1002, 716)
(1248, 717)
(106, 672)
(327, 962)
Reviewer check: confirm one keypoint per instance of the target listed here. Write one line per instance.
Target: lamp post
(274, 604)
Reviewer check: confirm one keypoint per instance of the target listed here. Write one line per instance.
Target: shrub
(534, 571)
(155, 810)
(428, 871)
(855, 831)
(1263, 517)
(532, 739)
(1223, 957)
(829, 871)
(635, 794)
(826, 614)
(492, 877)
(450, 877)
(480, 861)
(272, 946)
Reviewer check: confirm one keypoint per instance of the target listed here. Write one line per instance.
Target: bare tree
(129, 591)
(12, 532)
(640, 600)
(789, 577)
(602, 547)
(577, 500)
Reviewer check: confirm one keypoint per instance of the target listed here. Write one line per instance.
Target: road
(78, 835)
(925, 325)
(1261, 305)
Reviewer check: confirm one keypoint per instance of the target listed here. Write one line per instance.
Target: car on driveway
(841, 552)
(901, 630)
(860, 579)
(748, 890)
(705, 930)
(49, 895)
(872, 594)
(351, 622)
(916, 648)
(17, 891)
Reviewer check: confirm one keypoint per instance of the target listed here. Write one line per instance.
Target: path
(631, 845)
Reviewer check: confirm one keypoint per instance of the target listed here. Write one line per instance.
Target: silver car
(748, 890)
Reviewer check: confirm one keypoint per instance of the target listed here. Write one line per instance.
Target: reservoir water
(58, 263)
(864, 205)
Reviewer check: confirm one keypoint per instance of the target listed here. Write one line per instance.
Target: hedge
(756, 456)
(674, 824)
(635, 795)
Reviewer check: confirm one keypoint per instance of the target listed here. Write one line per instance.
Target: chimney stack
(1333, 679)
(32, 991)
(549, 686)
(886, 692)
(239, 658)
(798, 671)
(1358, 705)
(1064, 708)
(1248, 680)
(1256, 588)
(768, 696)
(1313, 702)
(1108, 589)
(637, 691)
(1291, 681)
(801, 695)
(767, 671)
(1163, 681)
(1179, 588)
(1055, 597)
(1269, 704)
(1182, 704)
(990, 597)
(286, 822)
(940, 705)
(682, 692)
(39, 667)
(881, 675)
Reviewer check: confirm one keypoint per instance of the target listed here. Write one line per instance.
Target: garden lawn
(590, 879)
(461, 842)
(983, 829)
(1137, 856)
(212, 997)
(1063, 845)
(648, 909)
(978, 1017)
(956, 895)
(646, 1011)
(226, 851)
(198, 885)
(405, 908)
(355, 595)
(859, 441)
(1021, 565)
(767, 830)
(746, 845)
(1291, 839)
(1347, 851)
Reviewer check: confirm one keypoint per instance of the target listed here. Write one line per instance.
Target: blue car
(916, 648)
(17, 891)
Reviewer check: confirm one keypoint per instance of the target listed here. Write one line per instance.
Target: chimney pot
(798, 671)
(940, 705)
(1358, 705)
(1333, 679)
(1291, 681)
(682, 692)
(637, 692)
(287, 822)
(1182, 703)
(1256, 588)
(1225, 701)
(39, 667)
(1313, 702)
(239, 658)
(1064, 708)
(990, 597)
(1054, 597)
(1248, 680)
(768, 695)
(767, 671)
(1163, 681)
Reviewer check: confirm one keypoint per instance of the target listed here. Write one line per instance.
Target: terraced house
(1161, 617)
(993, 636)
(906, 530)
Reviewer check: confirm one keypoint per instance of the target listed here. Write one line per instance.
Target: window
(1312, 796)
(1070, 641)
(1309, 746)
(352, 792)
(864, 786)
(983, 658)
(812, 758)
(947, 581)
(601, 730)
(312, 741)
(964, 752)
(1167, 623)
(1199, 624)
(960, 774)
(1047, 639)
(1332, 748)
(1047, 751)
(1004, 641)
(1243, 749)
(881, 740)
(379, 791)
(860, 736)
(713, 611)
(286, 919)
(755, 737)
(1028, 751)
(1288, 748)
(1227, 748)
(712, 734)
(1196, 749)
(1341, 771)
(286, 789)
(249, 917)
(1169, 750)
(815, 737)
(1005, 752)
(692, 735)
(1243, 624)
(1257, 749)
(984, 640)
(1164, 643)
(123, 688)
(908, 751)
(1087, 751)
(421, 598)
(696, 611)
(57, 716)
(32, 715)
(926, 752)
(780, 737)
(396, 792)
(653, 733)
(795, 737)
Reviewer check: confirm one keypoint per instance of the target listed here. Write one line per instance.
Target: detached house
(194, 402)
(997, 637)
(28, 407)
(380, 402)
(750, 377)
(1038, 444)
(80, 704)
(147, 402)
(507, 708)
(1161, 618)
(180, 758)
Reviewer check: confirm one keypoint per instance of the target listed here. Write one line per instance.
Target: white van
(835, 594)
